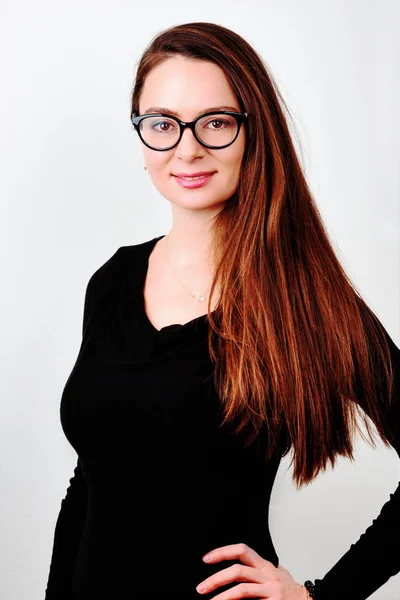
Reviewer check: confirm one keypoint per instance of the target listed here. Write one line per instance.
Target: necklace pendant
(199, 297)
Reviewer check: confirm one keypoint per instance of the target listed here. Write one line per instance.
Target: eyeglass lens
(214, 130)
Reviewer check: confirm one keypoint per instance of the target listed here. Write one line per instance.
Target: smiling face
(189, 88)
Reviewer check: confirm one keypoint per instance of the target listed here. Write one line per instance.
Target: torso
(166, 300)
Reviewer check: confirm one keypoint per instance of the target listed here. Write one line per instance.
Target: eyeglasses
(160, 131)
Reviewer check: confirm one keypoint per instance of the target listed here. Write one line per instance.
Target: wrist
(306, 595)
(309, 590)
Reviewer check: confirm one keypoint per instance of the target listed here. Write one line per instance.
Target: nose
(188, 145)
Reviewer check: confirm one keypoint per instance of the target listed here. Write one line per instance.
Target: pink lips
(198, 174)
(194, 183)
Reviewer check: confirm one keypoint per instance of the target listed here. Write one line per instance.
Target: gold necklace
(200, 297)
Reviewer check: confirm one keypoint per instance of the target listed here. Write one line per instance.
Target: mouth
(193, 176)
(194, 181)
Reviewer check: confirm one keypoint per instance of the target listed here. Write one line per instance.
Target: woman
(209, 353)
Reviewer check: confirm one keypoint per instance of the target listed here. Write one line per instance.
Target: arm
(72, 515)
(375, 557)
(68, 531)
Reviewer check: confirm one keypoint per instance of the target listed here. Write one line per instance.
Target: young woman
(210, 352)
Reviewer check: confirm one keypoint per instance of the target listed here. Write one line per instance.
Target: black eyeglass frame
(239, 116)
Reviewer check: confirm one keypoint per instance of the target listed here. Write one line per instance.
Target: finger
(244, 553)
(244, 590)
(236, 572)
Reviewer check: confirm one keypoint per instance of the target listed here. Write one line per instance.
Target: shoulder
(109, 276)
(117, 265)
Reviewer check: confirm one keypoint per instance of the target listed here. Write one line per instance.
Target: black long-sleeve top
(157, 482)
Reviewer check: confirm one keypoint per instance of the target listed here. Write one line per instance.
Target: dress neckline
(172, 327)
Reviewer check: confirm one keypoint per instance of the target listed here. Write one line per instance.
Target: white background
(73, 190)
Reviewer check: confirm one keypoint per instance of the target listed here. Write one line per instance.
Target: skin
(188, 87)
(259, 577)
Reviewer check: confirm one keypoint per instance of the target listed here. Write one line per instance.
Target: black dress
(158, 483)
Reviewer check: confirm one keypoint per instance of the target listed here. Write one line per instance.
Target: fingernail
(201, 588)
(207, 557)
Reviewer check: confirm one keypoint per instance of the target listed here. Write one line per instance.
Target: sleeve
(67, 535)
(72, 514)
(375, 557)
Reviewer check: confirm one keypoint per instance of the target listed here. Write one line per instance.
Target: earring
(145, 168)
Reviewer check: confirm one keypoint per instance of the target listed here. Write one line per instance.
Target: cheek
(154, 160)
(235, 162)
(235, 155)
(161, 164)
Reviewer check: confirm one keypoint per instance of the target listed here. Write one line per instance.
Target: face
(189, 88)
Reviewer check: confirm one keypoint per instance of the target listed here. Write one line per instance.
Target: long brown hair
(295, 346)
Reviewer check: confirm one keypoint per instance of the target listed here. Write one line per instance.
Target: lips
(189, 175)
(194, 182)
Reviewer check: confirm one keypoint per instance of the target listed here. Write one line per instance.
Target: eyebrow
(159, 109)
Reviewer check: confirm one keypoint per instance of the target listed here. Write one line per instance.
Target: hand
(262, 579)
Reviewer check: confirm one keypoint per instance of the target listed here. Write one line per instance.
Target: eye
(224, 123)
(165, 126)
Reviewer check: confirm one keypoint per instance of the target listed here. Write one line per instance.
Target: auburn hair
(296, 349)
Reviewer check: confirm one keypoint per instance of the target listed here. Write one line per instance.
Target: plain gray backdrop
(73, 190)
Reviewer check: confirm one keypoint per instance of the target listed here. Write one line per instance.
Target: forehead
(187, 87)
